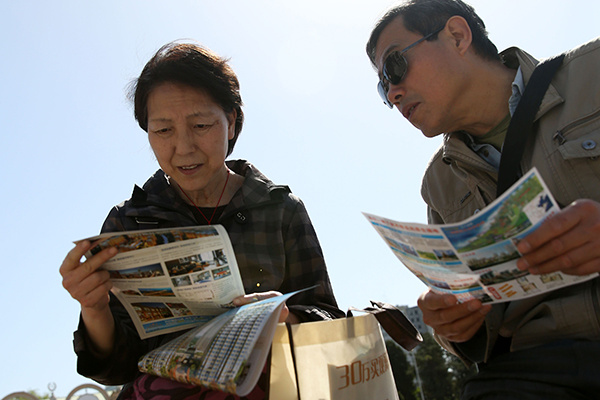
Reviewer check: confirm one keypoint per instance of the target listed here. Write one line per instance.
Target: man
(439, 69)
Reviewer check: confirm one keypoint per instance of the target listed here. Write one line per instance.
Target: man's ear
(459, 29)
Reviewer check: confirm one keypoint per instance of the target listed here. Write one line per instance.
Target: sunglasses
(394, 69)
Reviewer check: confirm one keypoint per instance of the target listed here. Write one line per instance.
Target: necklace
(197, 208)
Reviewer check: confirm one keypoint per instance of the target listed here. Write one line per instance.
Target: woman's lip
(189, 169)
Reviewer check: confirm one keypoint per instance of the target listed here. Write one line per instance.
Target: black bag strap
(521, 123)
(395, 323)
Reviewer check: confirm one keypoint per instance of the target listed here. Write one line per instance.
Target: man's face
(431, 88)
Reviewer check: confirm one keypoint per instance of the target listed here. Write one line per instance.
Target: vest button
(588, 144)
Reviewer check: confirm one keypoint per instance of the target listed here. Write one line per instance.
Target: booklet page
(172, 279)
(228, 353)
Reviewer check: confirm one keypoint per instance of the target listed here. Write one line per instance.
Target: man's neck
(490, 90)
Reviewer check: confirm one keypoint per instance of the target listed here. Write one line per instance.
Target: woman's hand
(285, 316)
(454, 321)
(84, 282)
(568, 241)
(90, 286)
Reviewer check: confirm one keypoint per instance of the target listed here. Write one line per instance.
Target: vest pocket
(577, 161)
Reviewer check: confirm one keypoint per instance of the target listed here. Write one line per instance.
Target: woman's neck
(219, 193)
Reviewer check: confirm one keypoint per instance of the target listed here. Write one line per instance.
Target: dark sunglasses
(394, 69)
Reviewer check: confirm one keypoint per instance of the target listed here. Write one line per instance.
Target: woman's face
(189, 134)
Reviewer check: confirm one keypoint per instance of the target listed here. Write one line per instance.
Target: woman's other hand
(285, 316)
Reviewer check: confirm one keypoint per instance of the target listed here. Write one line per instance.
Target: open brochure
(476, 258)
(228, 353)
(172, 279)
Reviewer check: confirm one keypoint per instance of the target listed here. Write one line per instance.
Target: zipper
(595, 298)
(559, 135)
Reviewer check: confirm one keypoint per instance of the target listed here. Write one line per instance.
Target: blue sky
(71, 148)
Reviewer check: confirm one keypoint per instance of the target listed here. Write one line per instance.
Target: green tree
(459, 372)
(403, 372)
(436, 379)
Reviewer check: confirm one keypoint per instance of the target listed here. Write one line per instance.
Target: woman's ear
(460, 31)
(231, 117)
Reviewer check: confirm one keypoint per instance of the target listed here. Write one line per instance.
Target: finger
(450, 315)
(247, 299)
(463, 329)
(285, 312)
(468, 329)
(587, 268)
(430, 300)
(92, 264)
(73, 258)
(254, 297)
(98, 297)
(569, 244)
(79, 289)
(580, 261)
(556, 225)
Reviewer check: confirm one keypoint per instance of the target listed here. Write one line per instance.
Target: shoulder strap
(521, 124)
(395, 323)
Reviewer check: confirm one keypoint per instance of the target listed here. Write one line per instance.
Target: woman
(187, 100)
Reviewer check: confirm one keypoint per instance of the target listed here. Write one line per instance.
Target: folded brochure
(476, 258)
(228, 353)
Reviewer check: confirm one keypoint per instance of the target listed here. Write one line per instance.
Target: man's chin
(430, 134)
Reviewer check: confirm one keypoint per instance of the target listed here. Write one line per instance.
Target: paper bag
(342, 359)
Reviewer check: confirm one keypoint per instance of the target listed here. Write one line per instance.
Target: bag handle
(288, 327)
(521, 123)
(395, 323)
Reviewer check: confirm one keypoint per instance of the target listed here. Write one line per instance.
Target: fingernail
(473, 305)
(523, 247)
(534, 270)
(522, 264)
(450, 301)
(236, 302)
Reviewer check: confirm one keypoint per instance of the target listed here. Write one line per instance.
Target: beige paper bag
(343, 359)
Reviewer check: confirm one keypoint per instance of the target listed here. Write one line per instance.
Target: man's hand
(568, 241)
(457, 322)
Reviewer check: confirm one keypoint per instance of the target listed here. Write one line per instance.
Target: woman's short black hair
(195, 66)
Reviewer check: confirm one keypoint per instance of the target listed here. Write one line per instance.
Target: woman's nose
(185, 142)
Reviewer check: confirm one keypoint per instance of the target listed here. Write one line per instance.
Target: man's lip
(408, 109)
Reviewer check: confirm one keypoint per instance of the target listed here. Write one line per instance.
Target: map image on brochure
(477, 258)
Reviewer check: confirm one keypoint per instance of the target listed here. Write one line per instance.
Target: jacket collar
(513, 57)
(256, 190)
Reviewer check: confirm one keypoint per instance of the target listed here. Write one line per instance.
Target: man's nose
(395, 93)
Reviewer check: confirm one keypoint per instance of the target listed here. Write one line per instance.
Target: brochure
(228, 353)
(172, 279)
(476, 258)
